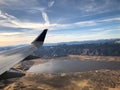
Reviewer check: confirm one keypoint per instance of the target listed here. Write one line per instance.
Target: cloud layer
(74, 20)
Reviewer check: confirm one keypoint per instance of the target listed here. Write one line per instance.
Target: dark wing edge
(40, 39)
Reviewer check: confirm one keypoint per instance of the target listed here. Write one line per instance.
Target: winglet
(40, 39)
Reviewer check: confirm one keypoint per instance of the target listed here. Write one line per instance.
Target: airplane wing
(11, 57)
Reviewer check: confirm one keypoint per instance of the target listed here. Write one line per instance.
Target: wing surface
(11, 57)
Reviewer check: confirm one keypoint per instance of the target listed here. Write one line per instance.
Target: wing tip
(40, 39)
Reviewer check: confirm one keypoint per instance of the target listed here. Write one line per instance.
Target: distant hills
(102, 41)
(106, 47)
(10, 47)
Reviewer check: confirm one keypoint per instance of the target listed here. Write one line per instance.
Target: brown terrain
(95, 58)
(92, 80)
(87, 57)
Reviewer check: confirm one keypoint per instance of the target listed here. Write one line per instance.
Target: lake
(73, 66)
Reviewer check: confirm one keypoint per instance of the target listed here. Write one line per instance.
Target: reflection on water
(73, 66)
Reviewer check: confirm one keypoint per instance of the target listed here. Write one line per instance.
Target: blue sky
(67, 20)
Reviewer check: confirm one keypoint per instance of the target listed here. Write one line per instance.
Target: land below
(103, 79)
(87, 57)
(92, 80)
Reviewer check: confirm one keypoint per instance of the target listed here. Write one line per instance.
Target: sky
(21, 21)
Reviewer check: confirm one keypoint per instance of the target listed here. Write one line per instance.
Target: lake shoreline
(91, 80)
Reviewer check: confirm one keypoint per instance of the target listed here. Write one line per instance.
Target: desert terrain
(92, 80)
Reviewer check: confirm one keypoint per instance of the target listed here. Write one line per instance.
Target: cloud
(111, 19)
(10, 33)
(65, 38)
(15, 40)
(91, 18)
(45, 17)
(86, 23)
(8, 20)
(90, 6)
(18, 4)
(11, 21)
(6, 16)
(50, 4)
(92, 35)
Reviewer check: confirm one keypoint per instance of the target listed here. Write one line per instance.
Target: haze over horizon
(67, 20)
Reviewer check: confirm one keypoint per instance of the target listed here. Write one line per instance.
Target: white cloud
(15, 40)
(65, 38)
(11, 21)
(45, 17)
(93, 7)
(50, 4)
(8, 20)
(17, 4)
(111, 19)
(101, 34)
(87, 23)
(9, 33)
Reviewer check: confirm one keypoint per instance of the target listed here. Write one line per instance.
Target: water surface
(73, 66)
